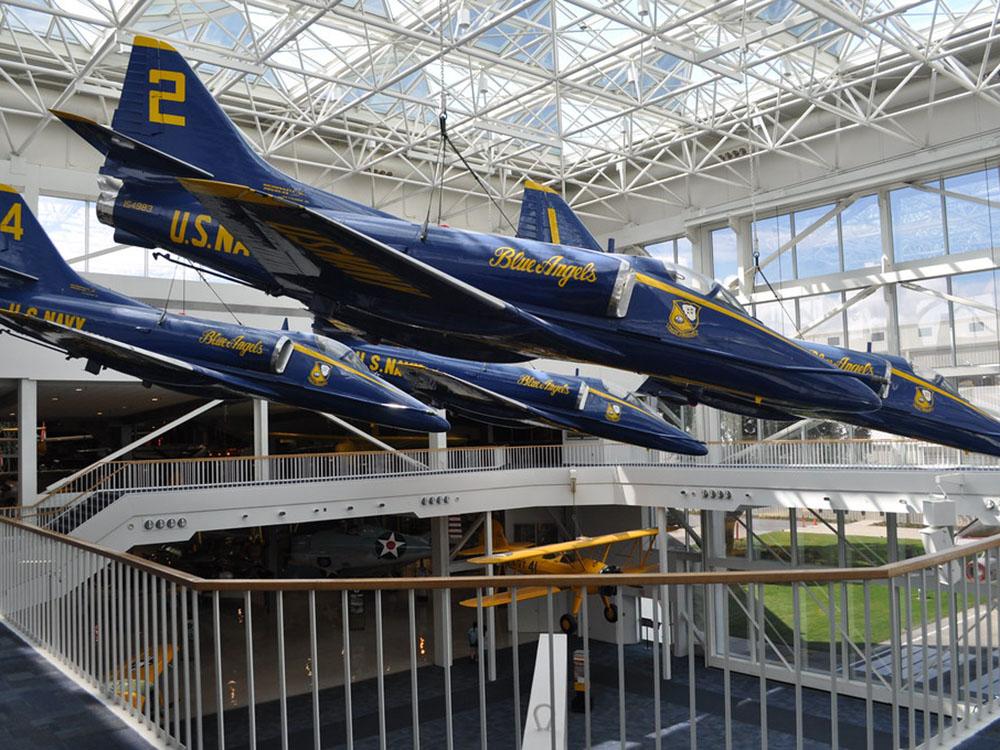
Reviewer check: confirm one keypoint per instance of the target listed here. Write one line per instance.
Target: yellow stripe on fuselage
(931, 387)
(323, 358)
(553, 226)
(609, 397)
(665, 287)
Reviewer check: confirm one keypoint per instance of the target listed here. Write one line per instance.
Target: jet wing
(296, 243)
(80, 343)
(506, 597)
(585, 542)
(423, 378)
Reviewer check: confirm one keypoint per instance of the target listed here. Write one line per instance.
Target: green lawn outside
(821, 549)
(814, 609)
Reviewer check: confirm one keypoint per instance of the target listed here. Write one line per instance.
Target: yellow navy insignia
(684, 319)
(613, 413)
(923, 399)
(320, 374)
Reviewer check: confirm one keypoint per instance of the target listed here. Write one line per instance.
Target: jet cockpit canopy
(705, 285)
(338, 351)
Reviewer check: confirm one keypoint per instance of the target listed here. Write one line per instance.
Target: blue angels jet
(42, 298)
(914, 405)
(513, 395)
(179, 175)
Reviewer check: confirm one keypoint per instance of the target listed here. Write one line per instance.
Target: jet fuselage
(527, 395)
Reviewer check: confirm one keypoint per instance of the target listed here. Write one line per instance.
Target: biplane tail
(500, 542)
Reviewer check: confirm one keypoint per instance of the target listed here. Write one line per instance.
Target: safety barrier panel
(908, 651)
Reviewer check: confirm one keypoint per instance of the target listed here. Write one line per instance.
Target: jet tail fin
(546, 217)
(26, 253)
(166, 106)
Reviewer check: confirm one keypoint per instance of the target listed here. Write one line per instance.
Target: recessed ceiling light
(100, 413)
(78, 389)
(55, 398)
(155, 398)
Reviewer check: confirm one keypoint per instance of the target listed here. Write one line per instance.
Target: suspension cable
(166, 302)
(222, 301)
(445, 140)
(753, 157)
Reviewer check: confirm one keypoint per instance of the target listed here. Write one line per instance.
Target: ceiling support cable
(752, 160)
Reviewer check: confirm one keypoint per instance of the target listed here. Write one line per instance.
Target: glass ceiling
(607, 97)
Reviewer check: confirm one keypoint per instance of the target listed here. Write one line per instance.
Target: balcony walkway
(123, 503)
(42, 709)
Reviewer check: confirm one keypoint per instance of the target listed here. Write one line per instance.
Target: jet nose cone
(435, 422)
(418, 418)
(669, 442)
(839, 391)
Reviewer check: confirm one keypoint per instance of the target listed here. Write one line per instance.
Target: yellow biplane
(142, 671)
(564, 558)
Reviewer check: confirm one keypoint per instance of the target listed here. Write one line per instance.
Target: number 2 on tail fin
(156, 96)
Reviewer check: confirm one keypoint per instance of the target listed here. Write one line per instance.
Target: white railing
(94, 490)
(907, 652)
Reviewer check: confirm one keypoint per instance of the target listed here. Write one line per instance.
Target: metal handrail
(304, 466)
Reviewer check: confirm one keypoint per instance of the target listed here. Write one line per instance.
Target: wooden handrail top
(806, 575)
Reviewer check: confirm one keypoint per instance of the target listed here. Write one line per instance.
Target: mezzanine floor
(42, 709)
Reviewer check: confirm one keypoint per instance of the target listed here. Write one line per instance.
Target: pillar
(27, 441)
(440, 566)
(261, 437)
(661, 549)
(491, 618)
(437, 442)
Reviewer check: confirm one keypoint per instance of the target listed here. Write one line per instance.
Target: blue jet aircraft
(913, 405)
(517, 396)
(434, 288)
(41, 297)
(924, 407)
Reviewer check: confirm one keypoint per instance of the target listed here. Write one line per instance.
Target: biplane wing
(501, 545)
(585, 542)
(506, 597)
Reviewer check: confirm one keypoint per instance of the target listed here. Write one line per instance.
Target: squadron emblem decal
(923, 400)
(320, 374)
(613, 413)
(684, 318)
(390, 546)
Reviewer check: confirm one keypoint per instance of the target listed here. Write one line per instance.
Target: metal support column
(892, 536)
(441, 597)
(491, 613)
(27, 441)
(261, 441)
(661, 549)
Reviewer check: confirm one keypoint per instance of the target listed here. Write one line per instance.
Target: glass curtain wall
(89, 246)
(949, 323)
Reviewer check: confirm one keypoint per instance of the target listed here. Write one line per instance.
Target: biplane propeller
(564, 558)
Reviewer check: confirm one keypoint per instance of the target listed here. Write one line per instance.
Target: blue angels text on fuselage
(517, 395)
(448, 289)
(41, 297)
